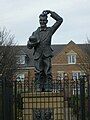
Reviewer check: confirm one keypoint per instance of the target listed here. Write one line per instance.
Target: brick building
(67, 60)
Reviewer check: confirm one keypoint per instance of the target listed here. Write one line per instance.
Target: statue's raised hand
(46, 11)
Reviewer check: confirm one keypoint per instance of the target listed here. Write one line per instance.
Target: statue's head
(43, 20)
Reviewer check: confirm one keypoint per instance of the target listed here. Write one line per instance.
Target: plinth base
(37, 105)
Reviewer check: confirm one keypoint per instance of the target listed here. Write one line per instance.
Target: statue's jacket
(43, 46)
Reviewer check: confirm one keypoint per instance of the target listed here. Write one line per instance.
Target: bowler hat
(33, 40)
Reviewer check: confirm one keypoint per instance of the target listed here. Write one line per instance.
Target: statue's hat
(33, 40)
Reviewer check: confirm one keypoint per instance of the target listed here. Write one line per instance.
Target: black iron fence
(68, 100)
(77, 96)
(1, 100)
(6, 99)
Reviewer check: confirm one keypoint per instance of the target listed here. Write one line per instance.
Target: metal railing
(68, 100)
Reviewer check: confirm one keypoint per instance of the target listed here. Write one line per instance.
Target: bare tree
(8, 67)
(8, 51)
(84, 58)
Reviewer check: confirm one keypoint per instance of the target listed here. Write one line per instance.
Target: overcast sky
(21, 17)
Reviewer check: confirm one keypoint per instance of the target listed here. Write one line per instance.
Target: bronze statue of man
(41, 41)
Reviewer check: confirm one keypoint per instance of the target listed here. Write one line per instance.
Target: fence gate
(68, 100)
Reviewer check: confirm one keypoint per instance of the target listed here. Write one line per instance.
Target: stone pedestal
(41, 104)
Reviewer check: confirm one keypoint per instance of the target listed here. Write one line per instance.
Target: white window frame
(71, 57)
(78, 73)
(20, 77)
(60, 74)
(20, 59)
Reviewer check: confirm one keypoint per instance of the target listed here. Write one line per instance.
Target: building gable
(70, 48)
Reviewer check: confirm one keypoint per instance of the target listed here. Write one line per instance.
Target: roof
(56, 49)
(29, 52)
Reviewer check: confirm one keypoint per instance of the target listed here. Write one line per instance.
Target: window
(20, 77)
(60, 75)
(20, 59)
(71, 59)
(77, 74)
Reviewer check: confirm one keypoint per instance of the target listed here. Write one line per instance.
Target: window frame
(21, 77)
(78, 73)
(71, 57)
(21, 59)
(60, 74)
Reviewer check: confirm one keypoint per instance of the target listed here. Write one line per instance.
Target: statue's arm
(56, 17)
(58, 22)
(29, 45)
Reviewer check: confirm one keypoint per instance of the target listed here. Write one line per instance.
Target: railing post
(7, 100)
(15, 99)
(1, 112)
(3, 98)
(88, 78)
(82, 98)
(77, 99)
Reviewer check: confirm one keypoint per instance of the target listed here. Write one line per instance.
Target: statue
(40, 40)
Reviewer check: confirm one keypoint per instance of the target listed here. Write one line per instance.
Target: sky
(21, 18)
